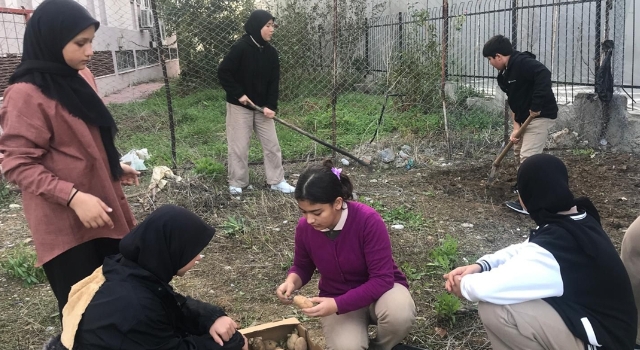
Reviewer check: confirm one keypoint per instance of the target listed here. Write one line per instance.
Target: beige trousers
(532, 325)
(630, 254)
(533, 140)
(394, 313)
(241, 122)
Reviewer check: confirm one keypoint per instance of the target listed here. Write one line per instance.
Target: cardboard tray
(279, 330)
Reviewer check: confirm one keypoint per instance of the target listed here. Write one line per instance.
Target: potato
(270, 344)
(291, 343)
(257, 344)
(279, 349)
(302, 302)
(301, 344)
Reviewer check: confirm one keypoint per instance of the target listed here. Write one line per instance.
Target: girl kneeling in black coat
(129, 304)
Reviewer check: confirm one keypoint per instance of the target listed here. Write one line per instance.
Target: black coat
(527, 83)
(251, 70)
(134, 310)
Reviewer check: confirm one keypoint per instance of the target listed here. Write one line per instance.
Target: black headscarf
(51, 27)
(257, 20)
(166, 241)
(543, 185)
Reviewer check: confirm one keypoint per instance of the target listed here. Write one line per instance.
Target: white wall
(119, 30)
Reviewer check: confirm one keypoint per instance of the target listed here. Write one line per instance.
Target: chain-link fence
(351, 70)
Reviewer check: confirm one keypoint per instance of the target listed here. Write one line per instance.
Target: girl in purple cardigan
(348, 243)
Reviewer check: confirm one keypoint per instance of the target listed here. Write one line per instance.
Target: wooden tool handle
(510, 143)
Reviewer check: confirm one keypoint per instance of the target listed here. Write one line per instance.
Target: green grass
(402, 214)
(446, 306)
(6, 197)
(200, 125)
(444, 256)
(20, 264)
(210, 168)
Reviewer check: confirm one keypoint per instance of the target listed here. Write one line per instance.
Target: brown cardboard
(278, 331)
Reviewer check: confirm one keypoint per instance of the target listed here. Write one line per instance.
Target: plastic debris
(136, 158)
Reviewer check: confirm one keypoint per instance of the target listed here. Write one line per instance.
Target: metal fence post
(400, 34)
(167, 88)
(514, 23)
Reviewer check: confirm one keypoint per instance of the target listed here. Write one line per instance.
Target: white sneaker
(235, 191)
(283, 187)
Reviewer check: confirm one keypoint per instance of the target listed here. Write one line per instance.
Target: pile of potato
(293, 342)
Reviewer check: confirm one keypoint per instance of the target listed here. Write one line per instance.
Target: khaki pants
(394, 313)
(241, 122)
(532, 325)
(630, 254)
(533, 140)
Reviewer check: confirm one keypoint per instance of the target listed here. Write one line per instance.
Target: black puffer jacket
(527, 83)
(134, 310)
(252, 70)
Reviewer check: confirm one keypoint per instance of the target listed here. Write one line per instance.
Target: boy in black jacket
(527, 83)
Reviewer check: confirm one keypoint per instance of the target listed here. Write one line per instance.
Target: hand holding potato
(284, 292)
(325, 307)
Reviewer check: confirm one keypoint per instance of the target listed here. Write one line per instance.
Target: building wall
(119, 39)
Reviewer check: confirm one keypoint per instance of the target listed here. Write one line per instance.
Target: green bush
(445, 255)
(209, 167)
(20, 264)
(234, 226)
(446, 306)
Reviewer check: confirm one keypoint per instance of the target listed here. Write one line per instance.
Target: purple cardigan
(356, 268)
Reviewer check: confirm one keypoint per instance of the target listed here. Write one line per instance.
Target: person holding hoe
(250, 75)
(527, 83)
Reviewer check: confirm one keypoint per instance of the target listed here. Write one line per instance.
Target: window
(173, 53)
(145, 58)
(101, 64)
(153, 56)
(125, 60)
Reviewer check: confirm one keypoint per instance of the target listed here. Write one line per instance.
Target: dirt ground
(250, 254)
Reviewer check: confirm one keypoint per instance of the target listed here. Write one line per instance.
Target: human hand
(129, 175)
(534, 114)
(284, 292)
(91, 210)
(245, 100)
(223, 329)
(325, 307)
(269, 113)
(513, 137)
(450, 278)
(454, 288)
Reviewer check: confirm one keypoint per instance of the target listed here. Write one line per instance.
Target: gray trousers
(533, 140)
(532, 325)
(394, 313)
(241, 123)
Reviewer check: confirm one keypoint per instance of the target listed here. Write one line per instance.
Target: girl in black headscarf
(250, 74)
(563, 288)
(58, 147)
(134, 307)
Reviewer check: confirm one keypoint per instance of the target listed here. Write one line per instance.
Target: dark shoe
(516, 206)
(514, 188)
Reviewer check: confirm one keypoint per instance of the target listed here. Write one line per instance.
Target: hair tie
(337, 171)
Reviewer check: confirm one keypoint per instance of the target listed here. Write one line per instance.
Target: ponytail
(323, 184)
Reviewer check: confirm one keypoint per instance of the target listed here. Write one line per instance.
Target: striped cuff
(484, 265)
